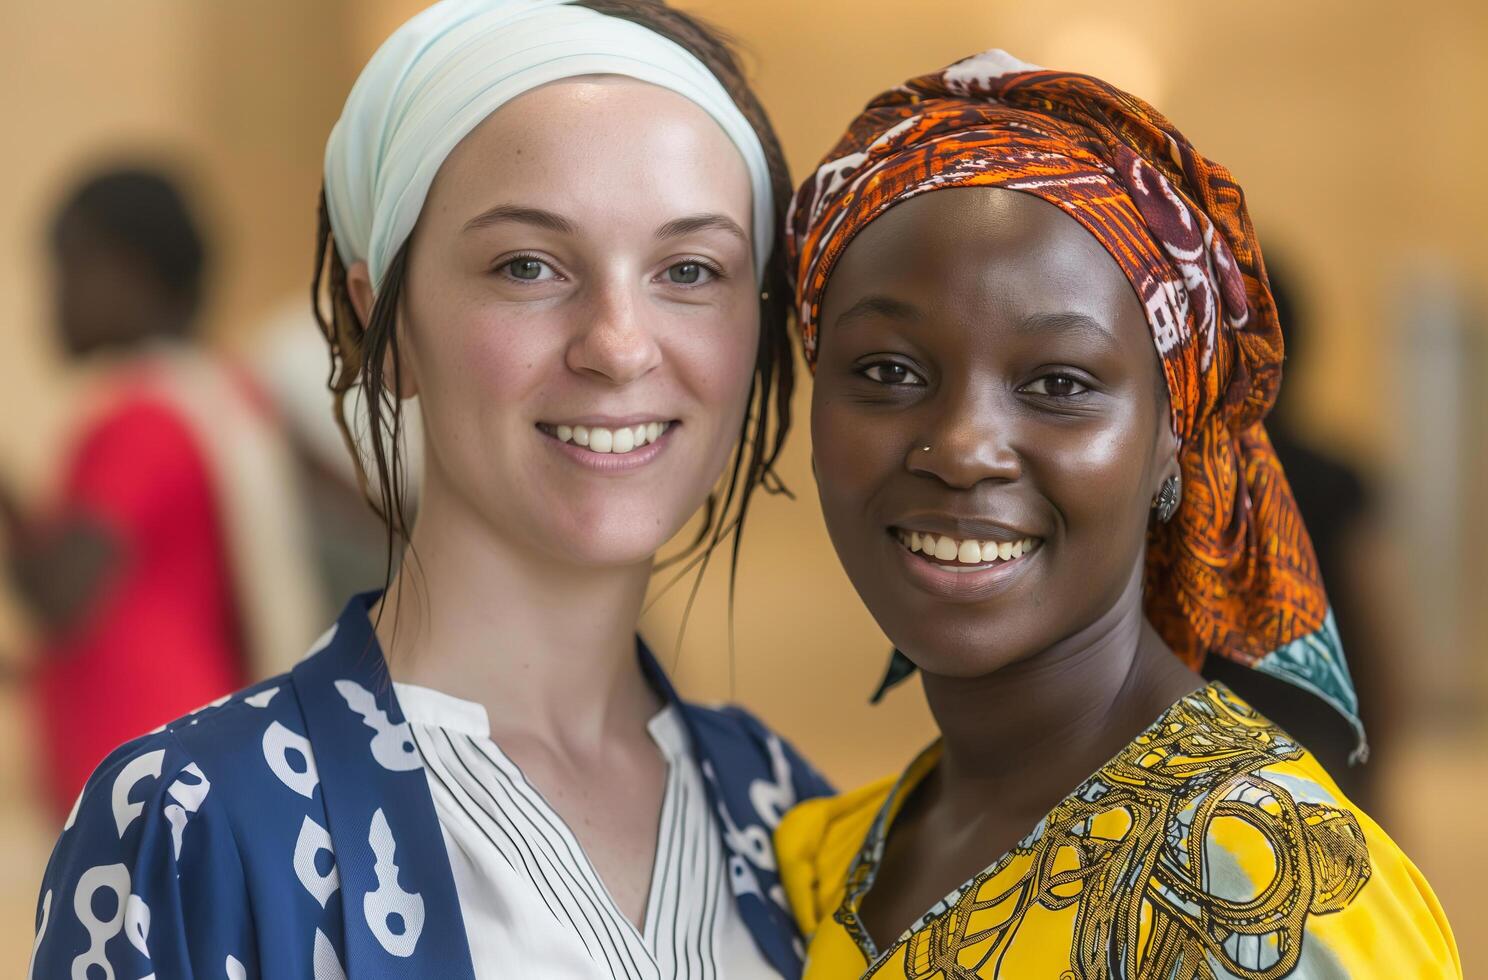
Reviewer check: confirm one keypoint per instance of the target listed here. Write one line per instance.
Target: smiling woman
(1044, 344)
(553, 225)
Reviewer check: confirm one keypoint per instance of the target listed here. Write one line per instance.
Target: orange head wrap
(1234, 573)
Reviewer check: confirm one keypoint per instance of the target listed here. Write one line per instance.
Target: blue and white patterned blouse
(287, 831)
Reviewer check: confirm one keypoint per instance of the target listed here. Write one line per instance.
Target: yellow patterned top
(1213, 846)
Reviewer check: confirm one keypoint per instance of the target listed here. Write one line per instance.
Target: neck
(548, 648)
(1032, 731)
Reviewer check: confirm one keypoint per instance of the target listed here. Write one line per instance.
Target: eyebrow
(876, 304)
(536, 217)
(701, 222)
(1067, 322)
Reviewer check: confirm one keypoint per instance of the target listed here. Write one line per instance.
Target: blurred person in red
(169, 525)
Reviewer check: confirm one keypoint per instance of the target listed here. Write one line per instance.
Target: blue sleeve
(807, 782)
(147, 877)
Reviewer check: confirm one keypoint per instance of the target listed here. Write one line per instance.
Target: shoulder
(205, 748)
(1283, 847)
(740, 745)
(137, 422)
(163, 781)
(816, 844)
(151, 839)
(134, 447)
(173, 827)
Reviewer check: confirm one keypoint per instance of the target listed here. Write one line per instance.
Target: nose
(970, 439)
(615, 343)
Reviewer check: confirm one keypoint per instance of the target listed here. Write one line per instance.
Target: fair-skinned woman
(1043, 345)
(550, 224)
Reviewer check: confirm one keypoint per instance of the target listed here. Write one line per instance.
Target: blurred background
(1356, 130)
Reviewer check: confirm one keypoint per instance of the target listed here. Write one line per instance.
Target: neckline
(434, 708)
(863, 871)
(428, 707)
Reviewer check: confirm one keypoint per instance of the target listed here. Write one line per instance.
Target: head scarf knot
(1234, 573)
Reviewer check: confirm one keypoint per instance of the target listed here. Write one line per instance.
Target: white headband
(443, 72)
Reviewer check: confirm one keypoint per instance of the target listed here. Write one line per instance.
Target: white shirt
(533, 905)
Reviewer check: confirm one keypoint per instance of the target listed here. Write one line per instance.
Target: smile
(603, 440)
(964, 554)
(962, 570)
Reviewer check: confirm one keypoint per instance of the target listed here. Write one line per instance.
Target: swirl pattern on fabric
(1234, 573)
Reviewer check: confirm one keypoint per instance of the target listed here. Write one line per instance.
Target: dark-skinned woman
(1038, 445)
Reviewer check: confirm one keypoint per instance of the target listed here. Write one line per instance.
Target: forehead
(596, 146)
(982, 246)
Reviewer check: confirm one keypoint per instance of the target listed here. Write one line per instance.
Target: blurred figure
(170, 528)
(1337, 506)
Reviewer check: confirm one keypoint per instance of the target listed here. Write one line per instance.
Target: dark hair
(143, 212)
(359, 352)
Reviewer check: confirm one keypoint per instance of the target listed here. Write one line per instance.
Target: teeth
(967, 552)
(601, 440)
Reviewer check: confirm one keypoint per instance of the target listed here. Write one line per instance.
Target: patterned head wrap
(1234, 573)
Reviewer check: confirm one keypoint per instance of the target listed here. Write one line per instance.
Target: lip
(962, 528)
(609, 421)
(964, 584)
(616, 463)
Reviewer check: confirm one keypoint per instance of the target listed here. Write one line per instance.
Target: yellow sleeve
(1394, 926)
(816, 843)
(797, 841)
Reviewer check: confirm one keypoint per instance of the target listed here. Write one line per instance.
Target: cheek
(474, 365)
(713, 357)
(1097, 480)
(852, 455)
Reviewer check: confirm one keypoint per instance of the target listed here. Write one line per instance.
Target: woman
(553, 224)
(1057, 526)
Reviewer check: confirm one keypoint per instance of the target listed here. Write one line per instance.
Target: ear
(359, 286)
(1165, 456)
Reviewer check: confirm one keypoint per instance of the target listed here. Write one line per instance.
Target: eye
(1056, 385)
(528, 268)
(690, 273)
(891, 373)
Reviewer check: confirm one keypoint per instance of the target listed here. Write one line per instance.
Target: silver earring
(1168, 497)
(924, 449)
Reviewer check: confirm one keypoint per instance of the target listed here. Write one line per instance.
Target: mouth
(605, 440)
(964, 554)
(610, 445)
(965, 569)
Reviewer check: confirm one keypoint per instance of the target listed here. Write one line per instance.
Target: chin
(611, 537)
(952, 659)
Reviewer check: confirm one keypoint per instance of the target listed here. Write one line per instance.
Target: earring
(924, 449)
(1168, 498)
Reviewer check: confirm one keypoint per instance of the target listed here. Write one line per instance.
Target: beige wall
(1359, 131)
